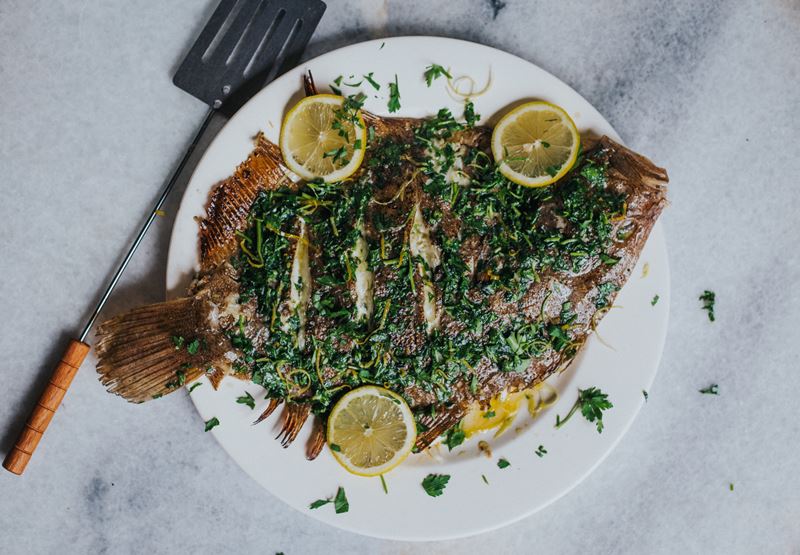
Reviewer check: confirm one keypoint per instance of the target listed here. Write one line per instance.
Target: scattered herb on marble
(383, 484)
(712, 389)
(503, 463)
(394, 96)
(655, 300)
(433, 72)
(646, 396)
(247, 399)
(709, 299)
(434, 484)
(541, 451)
(591, 402)
(213, 423)
(194, 386)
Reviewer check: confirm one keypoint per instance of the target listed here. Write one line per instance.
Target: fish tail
(153, 350)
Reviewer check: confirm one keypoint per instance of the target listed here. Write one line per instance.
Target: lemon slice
(322, 139)
(535, 144)
(371, 430)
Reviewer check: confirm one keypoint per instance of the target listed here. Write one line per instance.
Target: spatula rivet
(217, 103)
(226, 89)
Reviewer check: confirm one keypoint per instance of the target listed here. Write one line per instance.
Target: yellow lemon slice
(371, 430)
(535, 144)
(321, 138)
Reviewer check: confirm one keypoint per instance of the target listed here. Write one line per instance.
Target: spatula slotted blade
(244, 45)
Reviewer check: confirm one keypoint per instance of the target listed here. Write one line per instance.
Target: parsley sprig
(709, 298)
(434, 484)
(433, 72)
(592, 402)
(340, 503)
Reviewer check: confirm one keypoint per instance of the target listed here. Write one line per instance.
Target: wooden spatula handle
(17, 459)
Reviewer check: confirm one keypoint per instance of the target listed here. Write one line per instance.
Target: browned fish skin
(214, 309)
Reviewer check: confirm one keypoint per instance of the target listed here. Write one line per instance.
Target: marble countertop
(91, 124)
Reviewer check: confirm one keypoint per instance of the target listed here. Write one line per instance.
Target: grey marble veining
(90, 125)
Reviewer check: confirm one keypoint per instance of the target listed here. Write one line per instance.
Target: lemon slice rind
(307, 134)
(532, 139)
(390, 438)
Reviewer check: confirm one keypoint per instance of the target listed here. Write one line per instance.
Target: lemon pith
(371, 430)
(318, 142)
(535, 144)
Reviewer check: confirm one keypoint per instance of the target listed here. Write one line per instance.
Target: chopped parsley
(503, 463)
(709, 298)
(713, 389)
(489, 414)
(194, 386)
(335, 447)
(592, 402)
(654, 301)
(646, 396)
(434, 484)
(485, 481)
(394, 96)
(340, 502)
(247, 399)
(193, 346)
(454, 437)
(383, 485)
(178, 341)
(180, 379)
(368, 78)
(213, 423)
(433, 72)
(730, 486)
(541, 451)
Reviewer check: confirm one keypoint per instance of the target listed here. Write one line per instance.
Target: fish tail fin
(153, 350)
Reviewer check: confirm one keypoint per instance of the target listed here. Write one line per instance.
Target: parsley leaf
(340, 502)
(247, 399)
(195, 386)
(654, 301)
(372, 81)
(646, 396)
(434, 484)
(434, 71)
(213, 423)
(454, 437)
(320, 503)
(713, 389)
(335, 447)
(394, 96)
(489, 414)
(541, 451)
(502, 463)
(192, 347)
(592, 402)
(709, 298)
(178, 341)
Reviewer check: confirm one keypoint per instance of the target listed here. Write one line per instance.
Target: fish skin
(227, 211)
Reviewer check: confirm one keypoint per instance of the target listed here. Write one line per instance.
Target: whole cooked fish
(427, 272)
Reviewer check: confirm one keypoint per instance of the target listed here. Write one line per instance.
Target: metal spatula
(244, 45)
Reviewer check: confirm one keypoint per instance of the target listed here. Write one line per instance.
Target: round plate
(622, 367)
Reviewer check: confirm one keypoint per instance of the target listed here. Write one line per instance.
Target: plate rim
(656, 236)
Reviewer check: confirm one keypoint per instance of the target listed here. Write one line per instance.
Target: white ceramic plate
(469, 506)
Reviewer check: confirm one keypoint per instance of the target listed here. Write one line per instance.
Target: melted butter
(300, 291)
(420, 245)
(364, 278)
(505, 407)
